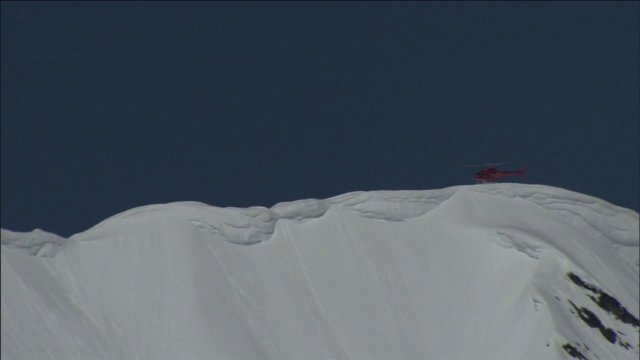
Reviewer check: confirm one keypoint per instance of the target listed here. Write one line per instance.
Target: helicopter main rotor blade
(488, 164)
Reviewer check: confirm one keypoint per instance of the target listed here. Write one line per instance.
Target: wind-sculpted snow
(602, 219)
(249, 226)
(36, 242)
(500, 271)
(254, 225)
(609, 224)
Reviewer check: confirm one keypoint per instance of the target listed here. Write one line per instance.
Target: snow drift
(500, 271)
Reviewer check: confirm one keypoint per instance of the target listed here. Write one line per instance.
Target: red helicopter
(492, 174)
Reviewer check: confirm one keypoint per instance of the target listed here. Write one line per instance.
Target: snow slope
(499, 271)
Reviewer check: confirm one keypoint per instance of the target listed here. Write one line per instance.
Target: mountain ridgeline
(497, 271)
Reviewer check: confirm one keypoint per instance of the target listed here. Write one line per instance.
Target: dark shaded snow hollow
(499, 271)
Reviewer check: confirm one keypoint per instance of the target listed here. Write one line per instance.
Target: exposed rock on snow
(607, 302)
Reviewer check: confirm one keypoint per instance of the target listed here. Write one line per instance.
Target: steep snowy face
(500, 271)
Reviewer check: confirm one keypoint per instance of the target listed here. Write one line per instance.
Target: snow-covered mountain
(500, 271)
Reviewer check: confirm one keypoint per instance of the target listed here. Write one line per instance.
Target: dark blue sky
(112, 105)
